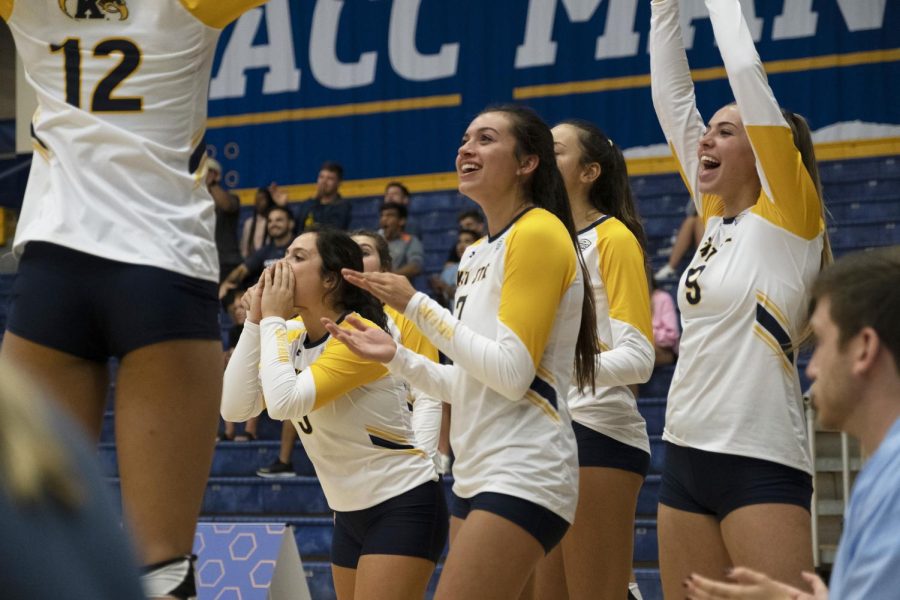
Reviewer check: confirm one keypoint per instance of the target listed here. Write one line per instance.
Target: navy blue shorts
(94, 308)
(711, 483)
(415, 523)
(544, 525)
(598, 450)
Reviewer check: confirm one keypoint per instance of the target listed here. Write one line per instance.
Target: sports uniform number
(460, 305)
(692, 286)
(102, 99)
(305, 425)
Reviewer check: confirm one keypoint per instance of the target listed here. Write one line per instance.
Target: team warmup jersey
(512, 340)
(351, 414)
(426, 410)
(119, 161)
(615, 262)
(744, 297)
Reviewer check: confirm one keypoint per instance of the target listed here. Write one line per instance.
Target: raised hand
(278, 291)
(394, 290)
(366, 342)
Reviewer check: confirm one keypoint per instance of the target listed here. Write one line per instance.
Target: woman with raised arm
(738, 479)
(521, 323)
(594, 559)
(390, 522)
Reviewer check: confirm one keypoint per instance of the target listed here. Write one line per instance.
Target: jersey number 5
(102, 100)
(692, 286)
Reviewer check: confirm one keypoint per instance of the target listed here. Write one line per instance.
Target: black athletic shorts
(415, 523)
(598, 450)
(94, 308)
(544, 525)
(711, 483)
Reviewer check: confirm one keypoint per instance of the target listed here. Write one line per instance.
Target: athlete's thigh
(598, 549)
(392, 577)
(455, 525)
(491, 558)
(773, 538)
(550, 574)
(77, 384)
(688, 543)
(344, 582)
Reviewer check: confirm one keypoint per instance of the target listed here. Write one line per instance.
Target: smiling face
(727, 163)
(834, 391)
(486, 161)
(278, 223)
(303, 257)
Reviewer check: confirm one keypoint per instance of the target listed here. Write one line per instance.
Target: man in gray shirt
(407, 253)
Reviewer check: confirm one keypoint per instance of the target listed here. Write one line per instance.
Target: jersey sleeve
(219, 13)
(411, 336)
(630, 357)
(539, 266)
(672, 90)
(792, 201)
(291, 395)
(426, 420)
(241, 399)
(6, 8)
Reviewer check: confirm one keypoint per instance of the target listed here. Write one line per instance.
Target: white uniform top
(512, 340)
(744, 298)
(351, 414)
(119, 165)
(615, 262)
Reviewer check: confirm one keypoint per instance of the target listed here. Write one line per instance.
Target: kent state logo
(584, 244)
(94, 9)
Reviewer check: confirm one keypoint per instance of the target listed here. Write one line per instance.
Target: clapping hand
(394, 290)
(366, 342)
(752, 585)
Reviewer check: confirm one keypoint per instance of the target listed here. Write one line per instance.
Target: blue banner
(387, 87)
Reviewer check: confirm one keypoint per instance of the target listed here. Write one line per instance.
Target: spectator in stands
(737, 472)
(666, 332)
(390, 521)
(689, 235)
(407, 252)
(254, 230)
(524, 330)
(227, 211)
(327, 207)
(856, 388)
(472, 220)
(444, 285)
(397, 193)
(594, 559)
(280, 232)
(237, 314)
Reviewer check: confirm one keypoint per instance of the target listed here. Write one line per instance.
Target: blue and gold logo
(94, 9)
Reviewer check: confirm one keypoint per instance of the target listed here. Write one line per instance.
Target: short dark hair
(333, 166)
(284, 209)
(401, 209)
(400, 186)
(864, 291)
(474, 214)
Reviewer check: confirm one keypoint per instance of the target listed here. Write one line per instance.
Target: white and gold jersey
(615, 261)
(119, 161)
(512, 339)
(744, 297)
(351, 414)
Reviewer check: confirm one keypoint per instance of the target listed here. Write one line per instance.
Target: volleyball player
(738, 479)
(594, 559)
(520, 325)
(351, 415)
(117, 251)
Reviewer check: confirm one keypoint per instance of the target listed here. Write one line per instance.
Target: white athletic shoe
(666, 272)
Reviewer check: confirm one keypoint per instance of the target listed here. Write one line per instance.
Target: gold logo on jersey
(94, 9)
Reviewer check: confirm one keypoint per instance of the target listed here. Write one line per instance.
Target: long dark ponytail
(338, 251)
(546, 189)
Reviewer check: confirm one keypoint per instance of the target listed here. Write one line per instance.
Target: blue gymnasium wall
(301, 81)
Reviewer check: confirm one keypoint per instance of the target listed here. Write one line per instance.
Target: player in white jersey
(737, 472)
(116, 246)
(522, 320)
(351, 415)
(594, 559)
